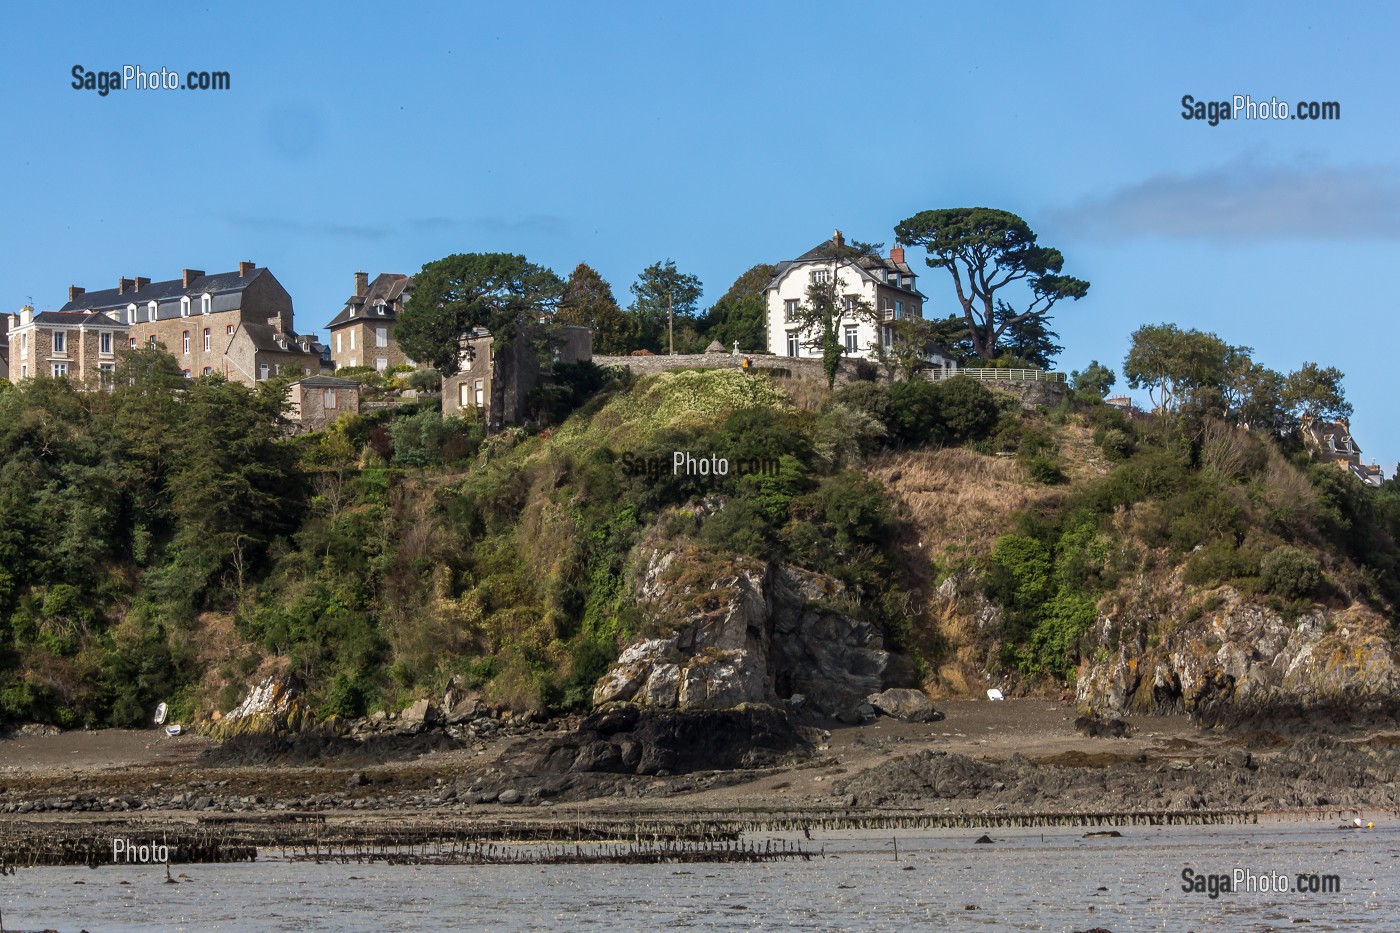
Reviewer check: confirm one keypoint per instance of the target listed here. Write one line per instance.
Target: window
(185, 306)
(151, 314)
(850, 305)
(480, 390)
(133, 343)
(206, 340)
(821, 276)
(263, 371)
(381, 363)
(104, 344)
(792, 343)
(153, 341)
(381, 336)
(899, 310)
(464, 396)
(206, 304)
(60, 370)
(60, 342)
(352, 340)
(789, 310)
(185, 373)
(228, 330)
(851, 339)
(328, 399)
(24, 371)
(187, 343)
(337, 343)
(207, 370)
(887, 337)
(131, 314)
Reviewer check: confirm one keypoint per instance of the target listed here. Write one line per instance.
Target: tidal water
(1025, 880)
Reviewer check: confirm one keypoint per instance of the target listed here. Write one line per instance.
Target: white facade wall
(793, 285)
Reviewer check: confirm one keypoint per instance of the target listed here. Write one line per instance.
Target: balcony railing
(998, 375)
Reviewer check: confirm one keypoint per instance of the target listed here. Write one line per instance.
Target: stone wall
(850, 370)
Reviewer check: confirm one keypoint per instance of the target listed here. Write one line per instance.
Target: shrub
(1044, 470)
(968, 409)
(913, 416)
(872, 398)
(425, 380)
(1290, 572)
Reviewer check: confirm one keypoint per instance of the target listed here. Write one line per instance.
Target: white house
(886, 284)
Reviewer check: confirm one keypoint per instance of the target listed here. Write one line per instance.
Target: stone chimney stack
(123, 284)
(188, 276)
(838, 240)
(138, 282)
(245, 268)
(897, 254)
(361, 284)
(74, 292)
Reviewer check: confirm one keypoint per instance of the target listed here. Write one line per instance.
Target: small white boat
(995, 694)
(161, 710)
(173, 731)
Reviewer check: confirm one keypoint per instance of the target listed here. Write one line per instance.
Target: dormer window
(131, 314)
(151, 311)
(206, 304)
(185, 306)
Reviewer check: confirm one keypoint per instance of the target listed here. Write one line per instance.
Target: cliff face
(1239, 659)
(747, 631)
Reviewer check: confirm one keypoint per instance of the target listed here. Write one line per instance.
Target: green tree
(986, 250)
(588, 301)
(499, 292)
(1026, 342)
(660, 295)
(741, 314)
(1316, 392)
(1176, 365)
(1096, 378)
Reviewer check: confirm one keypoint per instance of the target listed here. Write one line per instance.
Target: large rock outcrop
(747, 632)
(274, 706)
(1239, 660)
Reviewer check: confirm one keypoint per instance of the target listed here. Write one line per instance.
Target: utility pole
(670, 322)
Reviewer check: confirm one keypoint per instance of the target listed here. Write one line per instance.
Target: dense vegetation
(168, 541)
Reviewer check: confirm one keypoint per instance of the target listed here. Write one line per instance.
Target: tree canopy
(453, 295)
(986, 250)
(741, 314)
(588, 301)
(661, 290)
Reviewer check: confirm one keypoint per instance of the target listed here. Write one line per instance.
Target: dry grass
(958, 500)
(803, 394)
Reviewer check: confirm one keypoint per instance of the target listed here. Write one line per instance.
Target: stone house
(315, 402)
(196, 316)
(258, 352)
(1332, 440)
(470, 388)
(886, 283)
(77, 345)
(4, 346)
(362, 334)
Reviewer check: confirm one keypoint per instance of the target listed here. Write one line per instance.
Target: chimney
(187, 276)
(361, 284)
(26, 315)
(74, 292)
(245, 268)
(123, 284)
(139, 282)
(897, 254)
(838, 240)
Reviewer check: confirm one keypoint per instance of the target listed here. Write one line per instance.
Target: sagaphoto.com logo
(134, 77)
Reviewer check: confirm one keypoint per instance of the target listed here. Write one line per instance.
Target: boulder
(905, 704)
(275, 706)
(510, 796)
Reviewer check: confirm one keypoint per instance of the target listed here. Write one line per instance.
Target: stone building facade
(77, 345)
(197, 316)
(362, 334)
(315, 402)
(469, 390)
(4, 346)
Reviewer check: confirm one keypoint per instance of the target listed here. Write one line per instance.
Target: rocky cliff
(723, 634)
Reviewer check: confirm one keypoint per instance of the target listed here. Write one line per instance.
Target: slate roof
(388, 287)
(77, 319)
(108, 299)
(326, 382)
(264, 338)
(870, 263)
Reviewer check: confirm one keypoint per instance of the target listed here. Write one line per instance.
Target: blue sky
(359, 136)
